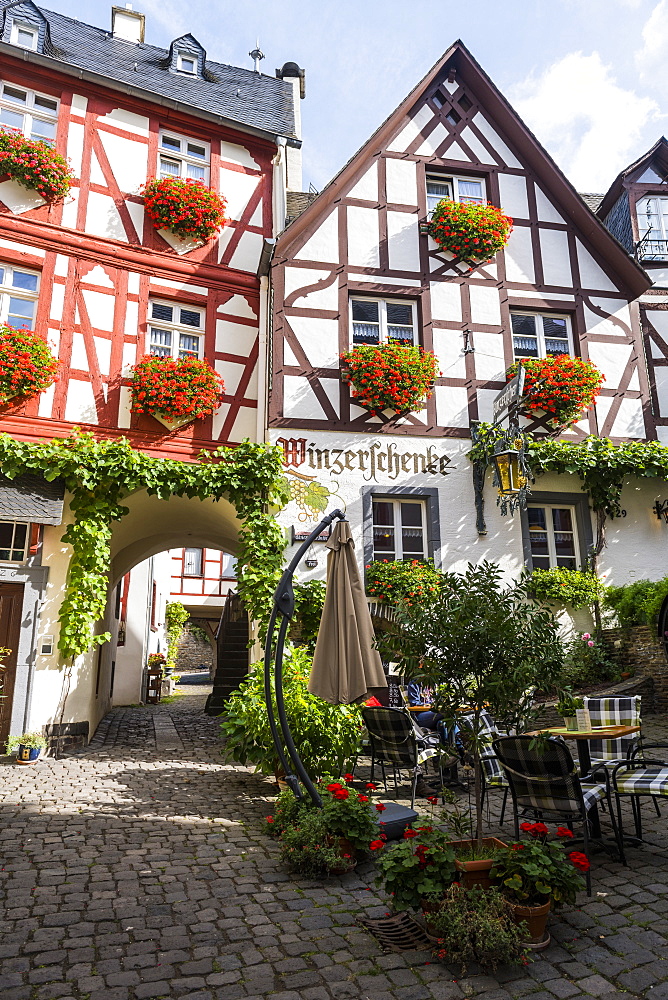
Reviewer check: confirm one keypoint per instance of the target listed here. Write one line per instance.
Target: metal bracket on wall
(479, 469)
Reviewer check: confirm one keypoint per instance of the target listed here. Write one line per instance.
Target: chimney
(127, 23)
(291, 73)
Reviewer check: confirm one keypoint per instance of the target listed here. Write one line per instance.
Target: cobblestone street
(137, 868)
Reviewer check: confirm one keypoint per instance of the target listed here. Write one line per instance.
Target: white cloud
(653, 53)
(588, 122)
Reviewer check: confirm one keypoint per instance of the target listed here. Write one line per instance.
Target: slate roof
(297, 202)
(591, 200)
(31, 498)
(238, 95)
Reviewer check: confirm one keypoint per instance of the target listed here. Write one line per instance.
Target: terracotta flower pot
(476, 872)
(535, 917)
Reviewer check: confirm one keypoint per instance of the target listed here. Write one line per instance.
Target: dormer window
(180, 156)
(653, 228)
(25, 35)
(186, 62)
(464, 189)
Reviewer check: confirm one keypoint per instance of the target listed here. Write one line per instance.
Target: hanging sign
(509, 397)
(301, 533)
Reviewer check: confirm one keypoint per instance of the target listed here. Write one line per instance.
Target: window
(653, 227)
(399, 530)
(25, 35)
(175, 331)
(33, 114)
(192, 562)
(186, 62)
(540, 336)
(464, 189)
(553, 536)
(228, 570)
(13, 541)
(18, 297)
(182, 157)
(375, 321)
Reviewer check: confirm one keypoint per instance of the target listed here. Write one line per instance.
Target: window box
(27, 366)
(470, 232)
(390, 376)
(34, 165)
(559, 387)
(175, 391)
(187, 209)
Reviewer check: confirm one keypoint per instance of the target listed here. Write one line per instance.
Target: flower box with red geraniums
(390, 376)
(560, 386)
(35, 165)
(472, 233)
(181, 389)
(27, 366)
(189, 209)
(401, 581)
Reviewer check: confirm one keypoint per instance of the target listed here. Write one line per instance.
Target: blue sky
(588, 76)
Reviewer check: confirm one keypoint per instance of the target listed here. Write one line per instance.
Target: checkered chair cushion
(396, 739)
(642, 780)
(613, 712)
(494, 774)
(546, 779)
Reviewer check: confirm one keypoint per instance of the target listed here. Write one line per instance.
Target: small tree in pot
(483, 645)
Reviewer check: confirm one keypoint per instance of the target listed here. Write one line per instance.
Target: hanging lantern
(509, 478)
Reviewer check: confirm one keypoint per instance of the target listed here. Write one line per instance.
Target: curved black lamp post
(283, 609)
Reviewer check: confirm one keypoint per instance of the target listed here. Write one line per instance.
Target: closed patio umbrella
(345, 664)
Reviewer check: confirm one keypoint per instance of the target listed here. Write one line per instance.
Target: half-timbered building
(96, 279)
(355, 268)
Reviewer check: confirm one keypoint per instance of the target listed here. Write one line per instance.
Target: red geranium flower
(349, 778)
(376, 845)
(580, 860)
(564, 832)
(175, 388)
(27, 365)
(380, 807)
(186, 207)
(341, 794)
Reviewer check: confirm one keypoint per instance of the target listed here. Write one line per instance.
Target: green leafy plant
(392, 376)
(473, 233)
(587, 662)
(286, 808)
(27, 366)
(408, 581)
(156, 661)
(637, 603)
(326, 736)
(175, 618)
(35, 741)
(100, 474)
(538, 870)
(476, 925)
(568, 703)
(420, 867)
(307, 847)
(479, 642)
(309, 602)
(349, 813)
(576, 587)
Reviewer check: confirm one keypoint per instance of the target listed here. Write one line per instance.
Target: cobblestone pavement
(137, 869)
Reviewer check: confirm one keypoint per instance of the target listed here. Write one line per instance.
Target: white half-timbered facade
(355, 268)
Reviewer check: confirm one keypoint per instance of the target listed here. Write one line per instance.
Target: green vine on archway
(99, 475)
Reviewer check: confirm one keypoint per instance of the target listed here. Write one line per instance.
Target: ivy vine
(99, 475)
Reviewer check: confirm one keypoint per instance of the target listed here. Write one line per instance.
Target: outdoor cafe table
(582, 738)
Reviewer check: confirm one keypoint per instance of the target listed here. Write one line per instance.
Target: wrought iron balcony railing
(651, 249)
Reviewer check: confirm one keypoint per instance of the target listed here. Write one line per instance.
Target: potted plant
(27, 366)
(187, 208)
(28, 747)
(417, 870)
(536, 875)
(472, 233)
(482, 645)
(307, 847)
(559, 386)
(402, 580)
(391, 376)
(327, 736)
(175, 390)
(35, 165)
(476, 925)
(567, 706)
(349, 815)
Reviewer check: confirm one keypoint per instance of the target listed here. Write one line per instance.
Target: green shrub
(326, 736)
(307, 847)
(409, 582)
(636, 603)
(566, 586)
(476, 925)
(587, 662)
(309, 602)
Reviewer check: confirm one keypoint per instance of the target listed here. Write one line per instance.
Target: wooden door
(11, 603)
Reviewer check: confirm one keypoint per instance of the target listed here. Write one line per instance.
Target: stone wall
(193, 651)
(639, 650)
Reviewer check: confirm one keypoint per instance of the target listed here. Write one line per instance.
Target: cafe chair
(613, 712)
(397, 741)
(643, 774)
(544, 780)
(493, 775)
